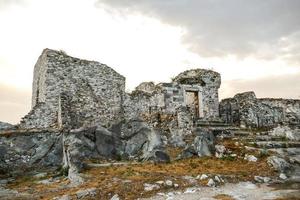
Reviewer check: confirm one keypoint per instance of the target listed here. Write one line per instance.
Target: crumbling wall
(97, 91)
(167, 98)
(246, 110)
(290, 109)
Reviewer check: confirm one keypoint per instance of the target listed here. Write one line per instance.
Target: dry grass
(127, 181)
(223, 197)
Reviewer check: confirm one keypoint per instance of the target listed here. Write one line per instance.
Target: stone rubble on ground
(261, 179)
(202, 177)
(278, 164)
(150, 187)
(169, 183)
(250, 158)
(211, 183)
(90, 192)
(115, 197)
(283, 176)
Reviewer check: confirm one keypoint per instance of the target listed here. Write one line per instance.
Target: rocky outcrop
(5, 126)
(30, 150)
(126, 140)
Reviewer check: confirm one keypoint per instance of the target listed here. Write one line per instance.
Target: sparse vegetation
(127, 180)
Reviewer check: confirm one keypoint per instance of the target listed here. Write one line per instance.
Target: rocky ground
(246, 165)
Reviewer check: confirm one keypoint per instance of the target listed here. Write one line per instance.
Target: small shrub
(194, 165)
(263, 153)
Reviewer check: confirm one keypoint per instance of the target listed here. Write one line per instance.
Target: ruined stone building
(81, 112)
(247, 111)
(72, 92)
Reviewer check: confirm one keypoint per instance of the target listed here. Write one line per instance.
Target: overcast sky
(255, 45)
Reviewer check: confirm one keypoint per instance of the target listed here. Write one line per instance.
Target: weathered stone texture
(4, 125)
(172, 98)
(20, 151)
(85, 102)
(92, 86)
(248, 111)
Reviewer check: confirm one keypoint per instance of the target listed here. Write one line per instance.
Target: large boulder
(139, 139)
(203, 144)
(279, 164)
(90, 143)
(21, 151)
(83, 144)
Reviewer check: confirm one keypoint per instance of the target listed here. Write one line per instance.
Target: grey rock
(211, 183)
(64, 197)
(286, 132)
(278, 163)
(176, 139)
(40, 175)
(157, 156)
(203, 145)
(282, 176)
(32, 149)
(250, 158)
(86, 193)
(202, 177)
(220, 151)
(218, 179)
(246, 110)
(261, 179)
(115, 197)
(5, 126)
(169, 183)
(150, 187)
(107, 143)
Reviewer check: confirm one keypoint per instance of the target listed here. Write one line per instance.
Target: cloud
(14, 103)
(286, 86)
(6, 3)
(266, 29)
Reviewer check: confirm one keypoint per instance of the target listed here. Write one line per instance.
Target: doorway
(192, 101)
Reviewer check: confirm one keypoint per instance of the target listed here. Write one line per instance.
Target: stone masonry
(247, 111)
(74, 93)
(93, 92)
(194, 92)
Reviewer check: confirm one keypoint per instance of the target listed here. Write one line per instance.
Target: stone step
(211, 123)
(286, 151)
(276, 144)
(242, 133)
(264, 138)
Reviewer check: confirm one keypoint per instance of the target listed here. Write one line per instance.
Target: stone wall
(94, 94)
(246, 110)
(207, 83)
(96, 91)
(168, 98)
